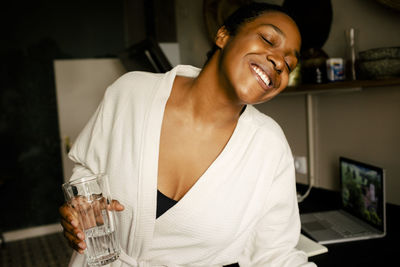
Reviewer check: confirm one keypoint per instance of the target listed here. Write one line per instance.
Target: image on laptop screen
(362, 191)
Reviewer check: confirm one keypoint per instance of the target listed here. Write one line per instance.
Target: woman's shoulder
(268, 134)
(133, 84)
(136, 79)
(264, 123)
(139, 75)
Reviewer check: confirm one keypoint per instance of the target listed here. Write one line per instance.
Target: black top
(164, 203)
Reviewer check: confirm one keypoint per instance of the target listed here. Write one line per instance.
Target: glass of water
(89, 196)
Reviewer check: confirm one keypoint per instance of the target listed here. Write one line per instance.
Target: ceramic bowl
(379, 53)
(380, 69)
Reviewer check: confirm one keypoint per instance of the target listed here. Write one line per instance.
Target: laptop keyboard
(341, 224)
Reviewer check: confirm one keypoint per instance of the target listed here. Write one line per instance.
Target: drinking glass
(89, 196)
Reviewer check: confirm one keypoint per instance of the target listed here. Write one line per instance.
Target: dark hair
(243, 15)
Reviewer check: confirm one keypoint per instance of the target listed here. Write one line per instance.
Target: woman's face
(256, 62)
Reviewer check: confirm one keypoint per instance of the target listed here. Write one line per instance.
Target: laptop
(363, 211)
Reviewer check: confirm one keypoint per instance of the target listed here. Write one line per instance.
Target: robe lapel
(147, 193)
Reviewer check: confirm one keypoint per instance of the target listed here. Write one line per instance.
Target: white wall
(362, 125)
(377, 25)
(191, 32)
(80, 86)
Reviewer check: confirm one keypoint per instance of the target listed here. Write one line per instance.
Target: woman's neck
(205, 98)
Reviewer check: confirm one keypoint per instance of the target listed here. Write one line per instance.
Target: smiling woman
(269, 44)
(203, 178)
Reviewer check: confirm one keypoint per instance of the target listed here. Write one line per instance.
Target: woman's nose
(277, 61)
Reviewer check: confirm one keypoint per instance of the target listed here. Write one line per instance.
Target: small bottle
(351, 54)
(318, 75)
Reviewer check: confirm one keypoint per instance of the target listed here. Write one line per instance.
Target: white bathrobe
(242, 209)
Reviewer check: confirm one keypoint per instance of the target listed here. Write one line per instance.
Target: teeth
(262, 75)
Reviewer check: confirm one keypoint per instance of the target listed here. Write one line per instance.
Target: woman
(204, 178)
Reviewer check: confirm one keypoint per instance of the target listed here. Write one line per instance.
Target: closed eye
(266, 40)
(289, 68)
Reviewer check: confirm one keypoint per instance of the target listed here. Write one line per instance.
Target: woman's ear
(222, 37)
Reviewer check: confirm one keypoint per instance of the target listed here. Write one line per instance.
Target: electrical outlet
(300, 163)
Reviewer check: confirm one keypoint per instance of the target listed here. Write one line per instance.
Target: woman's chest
(186, 152)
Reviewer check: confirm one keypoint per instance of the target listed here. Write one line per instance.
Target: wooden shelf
(343, 85)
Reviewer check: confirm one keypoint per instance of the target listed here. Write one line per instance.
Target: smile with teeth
(262, 75)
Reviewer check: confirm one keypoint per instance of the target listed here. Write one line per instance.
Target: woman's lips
(263, 78)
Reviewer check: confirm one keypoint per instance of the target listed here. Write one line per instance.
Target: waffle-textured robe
(242, 209)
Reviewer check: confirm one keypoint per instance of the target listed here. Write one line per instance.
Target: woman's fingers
(72, 229)
(74, 242)
(115, 205)
(67, 226)
(68, 214)
(70, 223)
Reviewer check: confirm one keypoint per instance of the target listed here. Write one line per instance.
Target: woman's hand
(73, 230)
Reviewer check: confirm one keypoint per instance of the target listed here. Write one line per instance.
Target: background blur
(362, 125)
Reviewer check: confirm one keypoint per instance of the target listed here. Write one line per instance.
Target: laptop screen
(363, 191)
